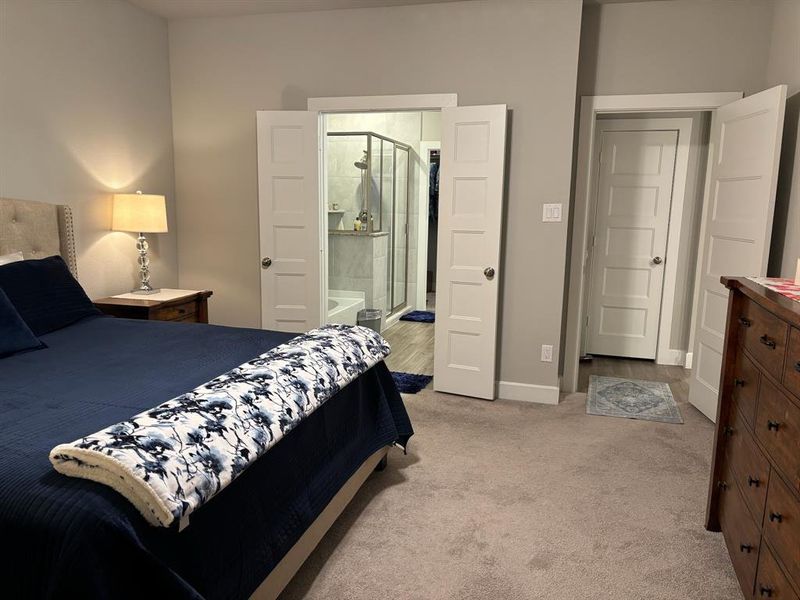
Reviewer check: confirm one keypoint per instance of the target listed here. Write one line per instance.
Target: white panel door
(289, 216)
(468, 250)
(634, 195)
(737, 224)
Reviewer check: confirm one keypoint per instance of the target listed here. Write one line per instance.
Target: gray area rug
(632, 399)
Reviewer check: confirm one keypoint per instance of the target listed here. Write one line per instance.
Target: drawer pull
(765, 591)
(764, 339)
(739, 382)
(727, 431)
(753, 481)
(775, 517)
(797, 366)
(773, 425)
(744, 322)
(746, 548)
(723, 485)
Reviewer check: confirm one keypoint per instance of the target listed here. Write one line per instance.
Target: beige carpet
(509, 500)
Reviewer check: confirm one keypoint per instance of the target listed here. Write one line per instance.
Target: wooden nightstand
(188, 306)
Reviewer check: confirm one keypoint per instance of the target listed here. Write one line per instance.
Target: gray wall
(522, 53)
(783, 66)
(85, 111)
(676, 46)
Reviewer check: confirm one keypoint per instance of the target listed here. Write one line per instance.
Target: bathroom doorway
(375, 207)
(376, 182)
(293, 225)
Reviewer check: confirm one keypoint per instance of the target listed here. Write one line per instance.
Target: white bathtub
(343, 306)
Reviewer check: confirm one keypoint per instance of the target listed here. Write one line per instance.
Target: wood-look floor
(412, 344)
(631, 368)
(412, 347)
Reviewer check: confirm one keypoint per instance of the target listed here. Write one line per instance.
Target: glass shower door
(399, 239)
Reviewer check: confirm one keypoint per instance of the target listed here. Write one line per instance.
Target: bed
(69, 537)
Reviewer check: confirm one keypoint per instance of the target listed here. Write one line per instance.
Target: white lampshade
(139, 213)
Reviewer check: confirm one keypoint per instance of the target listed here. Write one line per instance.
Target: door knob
(489, 272)
(266, 262)
(658, 260)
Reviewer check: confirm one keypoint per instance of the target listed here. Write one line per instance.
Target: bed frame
(38, 230)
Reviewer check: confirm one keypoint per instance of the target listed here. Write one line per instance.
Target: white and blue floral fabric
(170, 460)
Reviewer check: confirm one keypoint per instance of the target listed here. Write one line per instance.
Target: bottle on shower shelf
(363, 216)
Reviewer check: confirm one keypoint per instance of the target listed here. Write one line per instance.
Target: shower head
(362, 164)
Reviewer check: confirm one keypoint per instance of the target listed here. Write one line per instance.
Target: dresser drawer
(765, 336)
(770, 581)
(782, 526)
(177, 312)
(742, 536)
(778, 429)
(745, 386)
(791, 374)
(748, 465)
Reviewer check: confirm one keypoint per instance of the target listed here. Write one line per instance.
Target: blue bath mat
(419, 316)
(632, 399)
(410, 383)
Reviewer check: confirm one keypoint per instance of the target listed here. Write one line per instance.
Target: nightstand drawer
(179, 312)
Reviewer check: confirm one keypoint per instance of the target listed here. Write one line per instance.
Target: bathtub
(343, 306)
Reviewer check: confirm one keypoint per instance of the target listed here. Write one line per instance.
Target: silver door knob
(658, 260)
(489, 272)
(266, 262)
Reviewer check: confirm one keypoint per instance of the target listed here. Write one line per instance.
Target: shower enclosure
(368, 197)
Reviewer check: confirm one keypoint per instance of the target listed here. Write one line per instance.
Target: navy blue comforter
(65, 537)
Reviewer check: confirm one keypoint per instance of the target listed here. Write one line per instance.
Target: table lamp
(140, 213)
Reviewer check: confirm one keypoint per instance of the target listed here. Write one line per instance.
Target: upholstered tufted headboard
(38, 230)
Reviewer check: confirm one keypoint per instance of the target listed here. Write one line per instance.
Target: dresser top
(780, 305)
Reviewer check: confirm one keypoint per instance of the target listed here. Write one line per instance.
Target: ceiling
(183, 9)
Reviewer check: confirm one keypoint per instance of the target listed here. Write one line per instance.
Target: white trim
(422, 223)
(687, 363)
(672, 356)
(383, 103)
(660, 102)
(591, 106)
(528, 392)
(664, 354)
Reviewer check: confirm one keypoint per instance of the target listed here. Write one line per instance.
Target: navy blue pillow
(15, 335)
(45, 293)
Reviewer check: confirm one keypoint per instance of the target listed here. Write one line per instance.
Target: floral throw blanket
(170, 460)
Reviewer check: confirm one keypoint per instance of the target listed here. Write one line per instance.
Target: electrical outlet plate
(551, 213)
(547, 353)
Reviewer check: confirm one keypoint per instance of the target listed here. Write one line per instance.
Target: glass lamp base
(145, 291)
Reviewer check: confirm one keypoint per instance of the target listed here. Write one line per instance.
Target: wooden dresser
(754, 492)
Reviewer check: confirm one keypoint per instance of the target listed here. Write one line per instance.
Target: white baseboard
(527, 392)
(671, 357)
(688, 362)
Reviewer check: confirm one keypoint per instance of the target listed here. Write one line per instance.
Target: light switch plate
(547, 353)
(551, 213)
